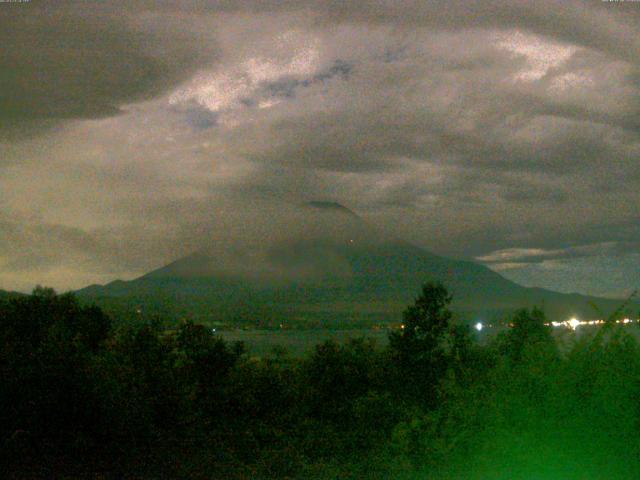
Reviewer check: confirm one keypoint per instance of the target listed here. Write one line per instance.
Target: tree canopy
(84, 396)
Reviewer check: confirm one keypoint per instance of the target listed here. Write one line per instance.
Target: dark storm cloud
(80, 60)
(591, 23)
(469, 127)
(59, 63)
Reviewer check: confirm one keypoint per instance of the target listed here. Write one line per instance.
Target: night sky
(506, 132)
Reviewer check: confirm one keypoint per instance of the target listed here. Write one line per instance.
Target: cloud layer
(503, 131)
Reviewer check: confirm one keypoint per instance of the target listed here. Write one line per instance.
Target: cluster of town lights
(572, 323)
(575, 323)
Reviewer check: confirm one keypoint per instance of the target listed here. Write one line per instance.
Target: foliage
(421, 349)
(529, 333)
(82, 396)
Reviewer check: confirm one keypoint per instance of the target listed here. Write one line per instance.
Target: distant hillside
(4, 294)
(343, 271)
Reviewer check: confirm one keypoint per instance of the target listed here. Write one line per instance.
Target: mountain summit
(330, 265)
(331, 207)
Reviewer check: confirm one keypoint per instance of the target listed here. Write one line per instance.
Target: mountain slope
(343, 271)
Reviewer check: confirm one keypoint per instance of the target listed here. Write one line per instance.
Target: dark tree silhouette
(420, 347)
(528, 328)
(80, 398)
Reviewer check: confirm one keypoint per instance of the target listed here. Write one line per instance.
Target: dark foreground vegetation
(82, 396)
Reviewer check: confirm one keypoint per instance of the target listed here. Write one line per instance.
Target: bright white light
(479, 326)
(574, 323)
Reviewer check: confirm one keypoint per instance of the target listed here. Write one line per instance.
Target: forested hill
(4, 294)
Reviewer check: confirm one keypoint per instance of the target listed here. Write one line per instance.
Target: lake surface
(301, 342)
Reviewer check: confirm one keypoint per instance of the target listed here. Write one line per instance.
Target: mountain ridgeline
(334, 269)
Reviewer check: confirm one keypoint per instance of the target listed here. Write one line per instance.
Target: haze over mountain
(329, 266)
(500, 132)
